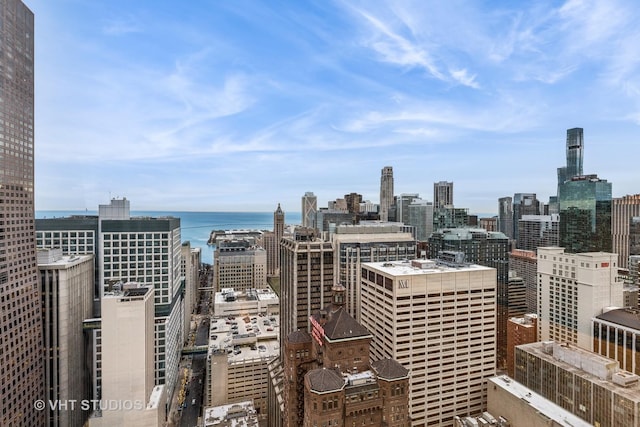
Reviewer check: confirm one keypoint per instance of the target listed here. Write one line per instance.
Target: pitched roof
(323, 380)
(341, 325)
(299, 336)
(389, 369)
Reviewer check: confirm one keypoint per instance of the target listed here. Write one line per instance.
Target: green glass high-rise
(585, 214)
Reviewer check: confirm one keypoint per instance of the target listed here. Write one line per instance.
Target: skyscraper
(523, 204)
(309, 209)
(402, 206)
(572, 290)
(22, 370)
(505, 216)
(585, 214)
(386, 192)
(442, 194)
(437, 321)
(623, 211)
(575, 155)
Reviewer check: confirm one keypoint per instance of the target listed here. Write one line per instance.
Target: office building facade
(128, 360)
(623, 211)
(523, 204)
(536, 231)
(240, 265)
(402, 203)
(524, 264)
(306, 278)
(421, 217)
(490, 249)
(21, 348)
(573, 289)
(505, 216)
(374, 242)
(586, 384)
(585, 214)
(520, 330)
(442, 194)
(67, 300)
(438, 322)
(309, 209)
(386, 192)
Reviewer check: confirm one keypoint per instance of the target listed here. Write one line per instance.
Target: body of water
(195, 227)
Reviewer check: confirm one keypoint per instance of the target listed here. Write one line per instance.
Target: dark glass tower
(575, 155)
(21, 351)
(585, 214)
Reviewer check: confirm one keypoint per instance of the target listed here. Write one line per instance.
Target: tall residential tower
(386, 192)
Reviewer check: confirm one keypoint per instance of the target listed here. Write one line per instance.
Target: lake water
(195, 227)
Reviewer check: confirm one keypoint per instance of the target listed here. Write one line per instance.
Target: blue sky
(239, 105)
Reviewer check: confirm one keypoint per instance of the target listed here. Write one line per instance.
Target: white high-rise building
(386, 192)
(572, 290)
(128, 391)
(439, 322)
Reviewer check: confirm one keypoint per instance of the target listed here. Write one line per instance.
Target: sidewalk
(184, 374)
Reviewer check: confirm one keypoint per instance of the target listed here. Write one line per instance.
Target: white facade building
(572, 290)
(439, 322)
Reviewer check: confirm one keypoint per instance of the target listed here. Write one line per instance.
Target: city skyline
(238, 106)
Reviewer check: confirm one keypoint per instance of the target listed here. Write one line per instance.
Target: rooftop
(406, 268)
(231, 415)
(559, 415)
(629, 317)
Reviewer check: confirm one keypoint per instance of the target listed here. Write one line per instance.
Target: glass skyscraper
(575, 155)
(585, 214)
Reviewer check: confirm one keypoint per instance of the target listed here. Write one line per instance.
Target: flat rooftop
(421, 266)
(231, 415)
(243, 338)
(559, 415)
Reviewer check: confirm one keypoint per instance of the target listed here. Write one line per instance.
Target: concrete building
(240, 350)
(520, 330)
(229, 302)
(241, 414)
(450, 217)
(240, 265)
(573, 289)
(505, 216)
(634, 238)
(309, 209)
(328, 219)
(147, 250)
(386, 192)
(128, 361)
(306, 278)
(421, 217)
(512, 404)
(190, 263)
(439, 322)
(330, 379)
(536, 231)
(20, 327)
(584, 383)
(623, 210)
(370, 242)
(524, 204)
(634, 269)
(516, 296)
(490, 249)
(616, 335)
(442, 194)
(67, 300)
(489, 224)
(402, 203)
(525, 265)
